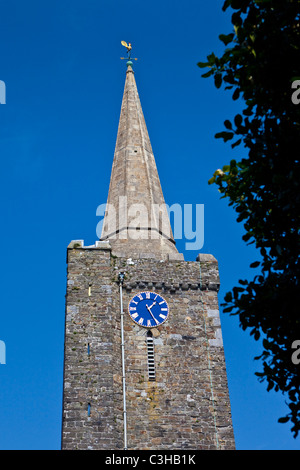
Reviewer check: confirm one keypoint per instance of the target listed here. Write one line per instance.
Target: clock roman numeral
(141, 320)
(134, 315)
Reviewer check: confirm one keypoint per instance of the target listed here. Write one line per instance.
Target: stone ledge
(76, 244)
(170, 287)
(99, 245)
(146, 255)
(105, 245)
(176, 257)
(204, 257)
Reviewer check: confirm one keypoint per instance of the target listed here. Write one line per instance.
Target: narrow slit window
(150, 355)
(89, 409)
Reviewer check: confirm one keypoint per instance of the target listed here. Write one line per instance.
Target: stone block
(203, 257)
(176, 257)
(76, 244)
(104, 245)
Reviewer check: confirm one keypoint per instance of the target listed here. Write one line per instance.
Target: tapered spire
(136, 220)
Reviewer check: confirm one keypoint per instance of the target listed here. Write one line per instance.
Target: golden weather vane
(128, 47)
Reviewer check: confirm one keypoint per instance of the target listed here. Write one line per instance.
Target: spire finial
(128, 47)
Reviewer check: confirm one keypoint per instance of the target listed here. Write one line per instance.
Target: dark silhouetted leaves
(259, 63)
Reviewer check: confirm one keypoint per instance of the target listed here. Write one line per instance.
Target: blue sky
(60, 61)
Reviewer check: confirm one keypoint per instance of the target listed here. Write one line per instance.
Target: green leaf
(202, 65)
(228, 297)
(285, 419)
(227, 124)
(207, 74)
(218, 80)
(248, 111)
(224, 135)
(256, 335)
(235, 144)
(211, 58)
(270, 386)
(226, 38)
(228, 309)
(255, 264)
(259, 374)
(236, 94)
(246, 237)
(238, 120)
(226, 5)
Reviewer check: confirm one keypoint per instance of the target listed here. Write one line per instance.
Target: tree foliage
(261, 65)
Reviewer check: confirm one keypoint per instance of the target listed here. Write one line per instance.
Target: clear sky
(60, 61)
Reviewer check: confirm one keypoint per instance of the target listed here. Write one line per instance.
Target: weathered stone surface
(187, 406)
(135, 190)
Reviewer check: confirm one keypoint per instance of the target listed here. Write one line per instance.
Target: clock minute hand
(149, 310)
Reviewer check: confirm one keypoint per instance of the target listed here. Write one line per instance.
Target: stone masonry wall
(187, 406)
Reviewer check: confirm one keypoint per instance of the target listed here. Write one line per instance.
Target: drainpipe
(121, 280)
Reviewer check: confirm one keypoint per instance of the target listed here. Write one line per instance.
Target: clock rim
(143, 326)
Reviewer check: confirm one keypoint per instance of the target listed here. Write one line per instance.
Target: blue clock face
(148, 309)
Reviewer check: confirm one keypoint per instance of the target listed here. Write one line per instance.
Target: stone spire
(136, 221)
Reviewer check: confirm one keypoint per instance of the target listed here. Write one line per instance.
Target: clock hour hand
(152, 305)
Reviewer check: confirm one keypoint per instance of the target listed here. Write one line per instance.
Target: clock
(148, 309)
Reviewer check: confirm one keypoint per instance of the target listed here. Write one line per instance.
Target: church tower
(144, 364)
